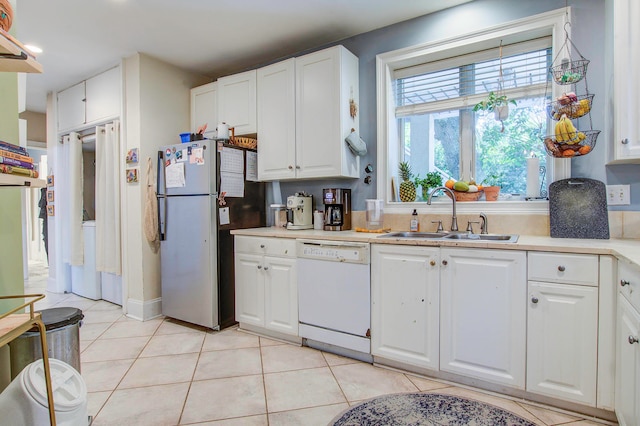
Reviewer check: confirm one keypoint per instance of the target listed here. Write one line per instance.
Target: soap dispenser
(414, 226)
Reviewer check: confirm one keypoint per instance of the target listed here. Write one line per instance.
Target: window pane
(505, 153)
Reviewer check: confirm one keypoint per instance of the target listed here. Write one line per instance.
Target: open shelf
(16, 180)
(14, 56)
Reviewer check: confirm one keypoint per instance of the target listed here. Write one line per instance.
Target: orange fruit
(568, 153)
(584, 149)
(449, 183)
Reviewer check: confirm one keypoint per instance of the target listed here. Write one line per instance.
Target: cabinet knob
(561, 268)
(261, 245)
(290, 167)
(298, 167)
(624, 141)
(266, 268)
(534, 299)
(432, 263)
(445, 263)
(623, 283)
(632, 340)
(259, 266)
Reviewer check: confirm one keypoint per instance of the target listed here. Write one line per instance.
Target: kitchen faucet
(454, 219)
(484, 226)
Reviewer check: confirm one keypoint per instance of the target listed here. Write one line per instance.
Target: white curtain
(108, 245)
(70, 205)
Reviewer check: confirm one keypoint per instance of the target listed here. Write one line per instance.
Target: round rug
(404, 409)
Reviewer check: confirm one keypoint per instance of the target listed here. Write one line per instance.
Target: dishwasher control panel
(333, 251)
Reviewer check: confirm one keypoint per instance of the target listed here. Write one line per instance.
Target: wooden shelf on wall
(21, 181)
(14, 57)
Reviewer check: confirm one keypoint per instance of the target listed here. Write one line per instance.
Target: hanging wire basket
(572, 108)
(579, 143)
(568, 69)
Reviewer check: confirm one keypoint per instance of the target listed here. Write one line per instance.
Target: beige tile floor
(162, 372)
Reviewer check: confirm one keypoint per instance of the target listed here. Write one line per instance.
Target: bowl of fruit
(464, 190)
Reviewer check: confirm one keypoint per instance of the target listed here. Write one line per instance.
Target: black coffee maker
(337, 209)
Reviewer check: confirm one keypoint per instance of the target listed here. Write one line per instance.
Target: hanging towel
(151, 211)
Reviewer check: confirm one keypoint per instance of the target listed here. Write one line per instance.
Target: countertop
(628, 249)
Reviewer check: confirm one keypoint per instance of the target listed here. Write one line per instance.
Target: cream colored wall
(157, 111)
(36, 125)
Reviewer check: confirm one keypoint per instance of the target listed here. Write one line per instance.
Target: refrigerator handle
(163, 204)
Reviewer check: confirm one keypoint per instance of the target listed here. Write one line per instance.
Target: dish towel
(151, 211)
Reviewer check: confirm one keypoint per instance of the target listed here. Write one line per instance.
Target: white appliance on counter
(334, 296)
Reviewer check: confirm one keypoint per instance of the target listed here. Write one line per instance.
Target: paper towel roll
(533, 177)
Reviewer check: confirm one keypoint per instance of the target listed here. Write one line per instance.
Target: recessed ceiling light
(33, 49)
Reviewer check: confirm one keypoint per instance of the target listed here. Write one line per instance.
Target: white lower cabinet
(627, 364)
(405, 310)
(562, 341)
(266, 283)
(483, 314)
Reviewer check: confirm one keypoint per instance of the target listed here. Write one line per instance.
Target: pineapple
(407, 187)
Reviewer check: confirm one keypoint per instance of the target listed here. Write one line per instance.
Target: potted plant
(431, 180)
(491, 186)
(498, 104)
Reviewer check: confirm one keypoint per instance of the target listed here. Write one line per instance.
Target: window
(428, 100)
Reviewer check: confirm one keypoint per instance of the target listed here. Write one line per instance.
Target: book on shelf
(12, 170)
(17, 163)
(13, 155)
(16, 149)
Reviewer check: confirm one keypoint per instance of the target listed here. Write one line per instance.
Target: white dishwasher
(334, 296)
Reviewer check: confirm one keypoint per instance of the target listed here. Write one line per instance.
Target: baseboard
(144, 310)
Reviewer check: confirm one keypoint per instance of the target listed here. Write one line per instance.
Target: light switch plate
(618, 195)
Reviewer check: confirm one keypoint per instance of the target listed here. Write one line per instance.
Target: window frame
(551, 23)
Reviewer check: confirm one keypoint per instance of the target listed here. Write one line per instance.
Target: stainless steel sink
(503, 238)
(415, 235)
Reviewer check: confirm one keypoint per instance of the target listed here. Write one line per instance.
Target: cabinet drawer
(629, 281)
(267, 246)
(581, 269)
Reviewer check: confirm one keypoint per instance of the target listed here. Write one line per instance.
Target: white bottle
(414, 225)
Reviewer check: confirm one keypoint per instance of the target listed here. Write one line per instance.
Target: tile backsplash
(622, 224)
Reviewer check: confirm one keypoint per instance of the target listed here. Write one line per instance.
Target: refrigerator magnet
(224, 216)
(179, 156)
(168, 152)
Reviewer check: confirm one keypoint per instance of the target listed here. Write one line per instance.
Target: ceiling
(81, 38)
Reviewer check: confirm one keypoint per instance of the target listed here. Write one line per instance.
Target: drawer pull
(623, 283)
(261, 245)
(259, 266)
(561, 268)
(266, 268)
(534, 299)
(444, 262)
(432, 263)
(625, 141)
(632, 340)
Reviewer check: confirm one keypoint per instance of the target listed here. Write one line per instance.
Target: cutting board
(578, 209)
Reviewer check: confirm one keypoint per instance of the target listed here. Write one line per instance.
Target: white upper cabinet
(103, 96)
(326, 86)
(626, 68)
(71, 108)
(277, 121)
(91, 101)
(237, 102)
(204, 108)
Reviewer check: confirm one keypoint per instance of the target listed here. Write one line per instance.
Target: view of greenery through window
(442, 132)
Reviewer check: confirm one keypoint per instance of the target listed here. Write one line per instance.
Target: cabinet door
(204, 108)
(281, 294)
(103, 94)
(626, 67)
(405, 304)
(326, 87)
(483, 314)
(277, 121)
(627, 364)
(249, 288)
(237, 102)
(562, 341)
(71, 107)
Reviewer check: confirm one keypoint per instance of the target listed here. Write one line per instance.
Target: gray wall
(588, 34)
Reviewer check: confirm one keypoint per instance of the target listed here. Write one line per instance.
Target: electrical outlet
(618, 195)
